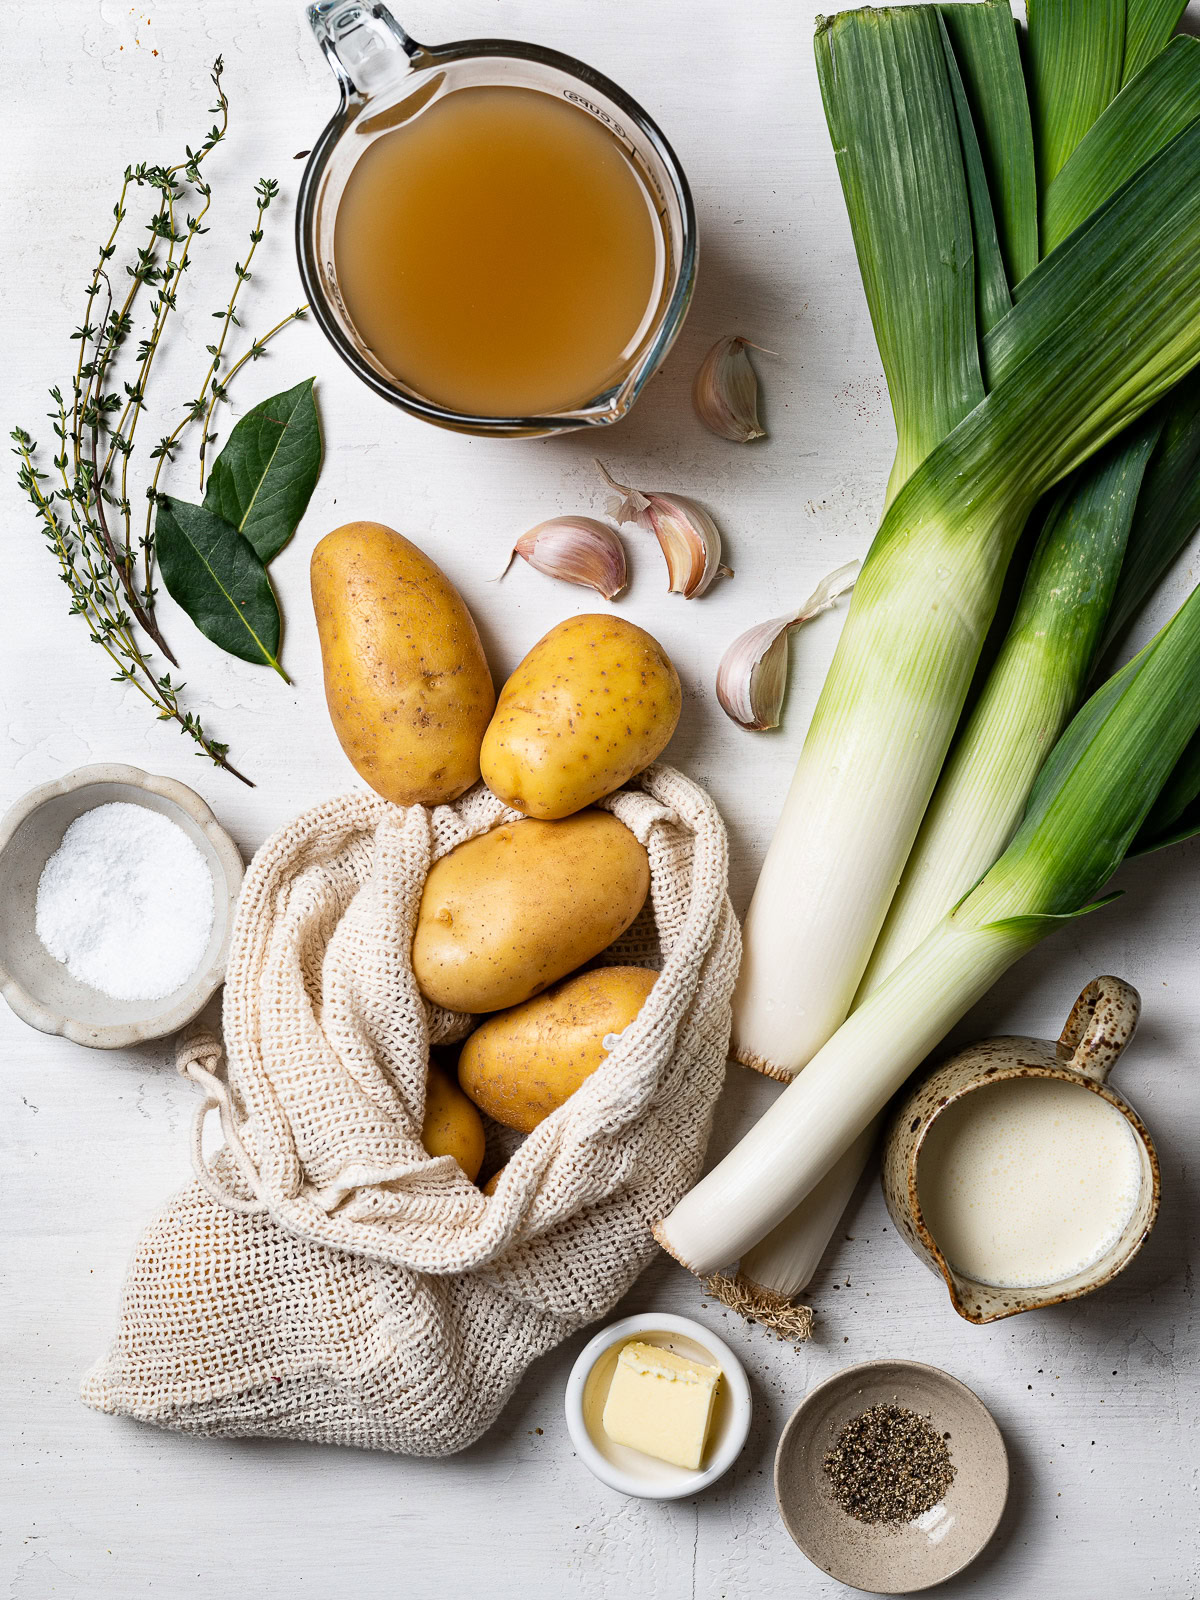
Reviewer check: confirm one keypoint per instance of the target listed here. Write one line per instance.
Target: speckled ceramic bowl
(1100, 1025)
(883, 1558)
(40, 989)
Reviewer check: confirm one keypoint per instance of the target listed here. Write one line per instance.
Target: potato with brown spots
(522, 1065)
(505, 915)
(452, 1125)
(406, 680)
(591, 704)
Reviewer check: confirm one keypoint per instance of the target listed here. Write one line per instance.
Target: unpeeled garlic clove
(725, 392)
(688, 537)
(752, 676)
(577, 550)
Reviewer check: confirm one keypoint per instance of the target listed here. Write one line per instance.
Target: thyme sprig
(93, 406)
(97, 594)
(85, 505)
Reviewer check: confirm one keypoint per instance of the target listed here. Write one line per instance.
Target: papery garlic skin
(687, 535)
(725, 392)
(577, 550)
(752, 675)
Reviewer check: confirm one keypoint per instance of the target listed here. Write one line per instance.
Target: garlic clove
(752, 675)
(725, 392)
(687, 535)
(577, 550)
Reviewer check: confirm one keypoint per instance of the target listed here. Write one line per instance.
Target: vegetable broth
(1028, 1182)
(499, 253)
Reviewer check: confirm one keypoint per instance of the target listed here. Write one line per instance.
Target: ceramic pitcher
(1101, 1024)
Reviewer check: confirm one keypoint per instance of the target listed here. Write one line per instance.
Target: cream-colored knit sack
(324, 1278)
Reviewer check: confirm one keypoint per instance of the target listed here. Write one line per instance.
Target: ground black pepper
(889, 1465)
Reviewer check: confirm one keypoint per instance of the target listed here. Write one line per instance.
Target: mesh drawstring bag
(323, 1277)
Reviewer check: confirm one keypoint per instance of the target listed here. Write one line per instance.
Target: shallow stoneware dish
(40, 989)
(886, 1559)
(629, 1471)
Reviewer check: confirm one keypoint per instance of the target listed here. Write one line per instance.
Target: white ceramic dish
(629, 1471)
(40, 989)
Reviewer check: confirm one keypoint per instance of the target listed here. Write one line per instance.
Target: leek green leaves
(902, 173)
(1076, 54)
(1159, 103)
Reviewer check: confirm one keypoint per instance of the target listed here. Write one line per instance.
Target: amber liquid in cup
(499, 253)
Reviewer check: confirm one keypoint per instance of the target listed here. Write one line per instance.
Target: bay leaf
(264, 476)
(218, 579)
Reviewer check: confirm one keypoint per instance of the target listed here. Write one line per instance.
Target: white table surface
(1096, 1399)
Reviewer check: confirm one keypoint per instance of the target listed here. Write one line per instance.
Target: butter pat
(661, 1404)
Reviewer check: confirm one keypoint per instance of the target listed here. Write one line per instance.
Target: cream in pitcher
(1028, 1182)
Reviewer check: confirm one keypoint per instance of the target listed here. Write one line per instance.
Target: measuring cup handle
(1101, 1024)
(363, 43)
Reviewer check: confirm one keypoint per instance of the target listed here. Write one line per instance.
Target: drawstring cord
(194, 1050)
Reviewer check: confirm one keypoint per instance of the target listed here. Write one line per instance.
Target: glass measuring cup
(384, 77)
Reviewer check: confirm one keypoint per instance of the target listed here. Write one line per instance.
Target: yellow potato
(506, 914)
(452, 1125)
(490, 1186)
(591, 704)
(522, 1065)
(406, 680)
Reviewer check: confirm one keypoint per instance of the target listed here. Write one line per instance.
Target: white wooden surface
(1096, 1399)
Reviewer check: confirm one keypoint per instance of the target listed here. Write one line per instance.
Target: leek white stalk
(1090, 800)
(782, 1264)
(841, 1090)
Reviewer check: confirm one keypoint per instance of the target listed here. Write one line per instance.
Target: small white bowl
(40, 989)
(629, 1471)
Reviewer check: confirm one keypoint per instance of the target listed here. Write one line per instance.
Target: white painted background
(1096, 1400)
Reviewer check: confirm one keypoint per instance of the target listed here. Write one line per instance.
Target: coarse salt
(126, 902)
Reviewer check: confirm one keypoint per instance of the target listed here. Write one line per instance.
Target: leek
(1092, 797)
(992, 297)
(1166, 515)
(1112, 144)
(1076, 54)
(1147, 114)
(1112, 320)
(910, 215)
(1030, 693)
(1168, 508)
(1149, 24)
(783, 1263)
(1175, 815)
(984, 45)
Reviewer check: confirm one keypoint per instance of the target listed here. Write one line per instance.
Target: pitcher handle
(1101, 1024)
(363, 43)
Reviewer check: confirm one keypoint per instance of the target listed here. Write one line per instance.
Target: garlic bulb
(752, 676)
(687, 535)
(577, 550)
(725, 393)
